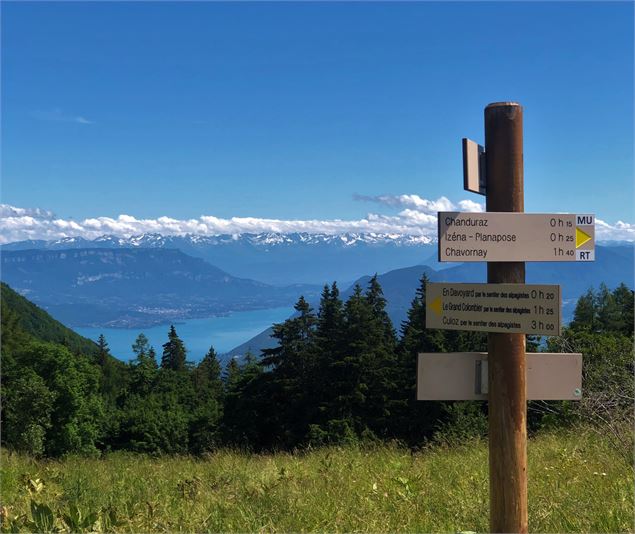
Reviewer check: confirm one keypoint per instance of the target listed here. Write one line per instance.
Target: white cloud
(620, 231)
(37, 213)
(57, 115)
(417, 216)
(414, 202)
(423, 205)
(470, 205)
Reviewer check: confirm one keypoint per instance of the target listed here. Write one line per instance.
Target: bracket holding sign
(474, 172)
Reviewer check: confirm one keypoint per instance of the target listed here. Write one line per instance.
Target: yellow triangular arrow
(581, 238)
(437, 305)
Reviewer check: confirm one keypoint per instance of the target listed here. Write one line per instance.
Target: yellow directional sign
(581, 237)
(436, 305)
(508, 308)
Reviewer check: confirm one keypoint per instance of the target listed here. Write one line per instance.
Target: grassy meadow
(577, 483)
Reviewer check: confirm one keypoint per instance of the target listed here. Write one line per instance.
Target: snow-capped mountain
(152, 240)
(275, 258)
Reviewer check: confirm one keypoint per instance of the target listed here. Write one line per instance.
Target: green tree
(143, 369)
(624, 299)
(290, 381)
(77, 414)
(154, 424)
(364, 376)
(173, 352)
(208, 386)
(27, 407)
(102, 350)
(380, 372)
(328, 341)
(141, 346)
(416, 420)
(245, 421)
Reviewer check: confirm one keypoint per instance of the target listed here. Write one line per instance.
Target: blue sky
(287, 110)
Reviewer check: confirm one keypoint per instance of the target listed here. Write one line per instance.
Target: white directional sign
(463, 376)
(502, 236)
(508, 308)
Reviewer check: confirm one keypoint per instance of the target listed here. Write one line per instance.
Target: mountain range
(273, 258)
(154, 279)
(135, 287)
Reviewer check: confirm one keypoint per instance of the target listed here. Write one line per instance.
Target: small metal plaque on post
(507, 308)
(474, 174)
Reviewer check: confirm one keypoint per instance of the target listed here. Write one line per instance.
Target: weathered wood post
(506, 375)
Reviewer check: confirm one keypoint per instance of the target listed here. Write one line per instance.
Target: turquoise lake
(224, 333)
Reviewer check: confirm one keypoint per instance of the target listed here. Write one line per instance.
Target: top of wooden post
(502, 104)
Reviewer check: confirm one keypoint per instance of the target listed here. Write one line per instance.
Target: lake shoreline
(223, 332)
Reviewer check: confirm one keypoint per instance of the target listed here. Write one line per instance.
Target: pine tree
(140, 346)
(152, 356)
(380, 367)
(230, 375)
(328, 351)
(207, 375)
(290, 382)
(347, 371)
(363, 378)
(624, 301)
(245, 422)
(208, 387)
(584, 316)
(415, 419)
(144, 366)
(102, 350)
(173, 352)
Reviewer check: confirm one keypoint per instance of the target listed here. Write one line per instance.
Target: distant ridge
(135, 287)
(273, 258)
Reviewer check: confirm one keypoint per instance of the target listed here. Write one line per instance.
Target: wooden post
(506, 352)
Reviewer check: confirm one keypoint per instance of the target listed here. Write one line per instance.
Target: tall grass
(577, 483)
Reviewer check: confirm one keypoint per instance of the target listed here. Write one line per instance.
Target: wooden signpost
(505, 307)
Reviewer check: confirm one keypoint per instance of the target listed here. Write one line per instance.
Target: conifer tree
(327, 352)
(290, 383)
(207, 375)
(584, 316)
(173, 352)
(364, 377)
(144, 366)
(102, 350)
(380, 370)
(152, 356)
(230, 375)
(244, 422)
(141, 345)
(624, 300)
(208, 387)
(347, 371)
(415, 419)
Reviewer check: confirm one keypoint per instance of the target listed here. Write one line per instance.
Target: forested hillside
(339, 374)
(21, 315)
